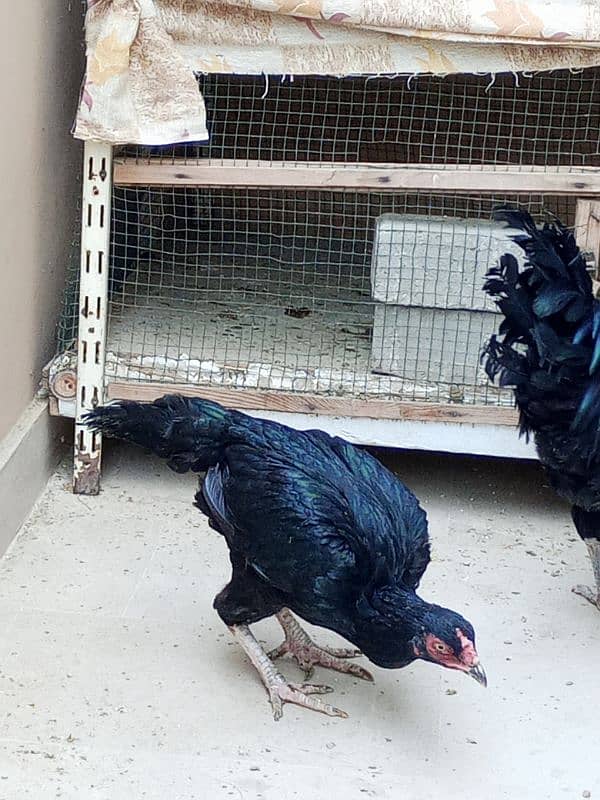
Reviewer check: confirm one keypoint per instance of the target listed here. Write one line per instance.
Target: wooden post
(93, 309)
(587, 233)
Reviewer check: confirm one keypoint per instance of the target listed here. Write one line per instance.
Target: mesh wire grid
(274, 289)
(547, 119)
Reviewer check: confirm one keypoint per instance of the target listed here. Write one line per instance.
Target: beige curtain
(142, 54)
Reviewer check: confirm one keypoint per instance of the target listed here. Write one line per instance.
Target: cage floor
(233, 339)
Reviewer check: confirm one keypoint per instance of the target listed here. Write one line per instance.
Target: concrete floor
(118, 681)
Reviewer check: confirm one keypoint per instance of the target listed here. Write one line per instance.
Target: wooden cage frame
(489, 430)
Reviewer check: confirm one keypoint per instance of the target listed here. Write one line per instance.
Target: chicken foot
(279, 690)
(308, 654)
(593, 546)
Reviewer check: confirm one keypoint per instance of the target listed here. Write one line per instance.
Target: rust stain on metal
(87, 474)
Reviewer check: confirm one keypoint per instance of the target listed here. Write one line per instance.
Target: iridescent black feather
(548, 350)
(312, 522)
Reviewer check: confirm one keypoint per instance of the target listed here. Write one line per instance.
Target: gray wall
(41, 61)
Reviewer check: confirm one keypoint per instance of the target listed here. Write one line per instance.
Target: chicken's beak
(478, 673)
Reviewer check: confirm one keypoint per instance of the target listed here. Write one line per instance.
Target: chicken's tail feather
(190, 433)
(548, 347)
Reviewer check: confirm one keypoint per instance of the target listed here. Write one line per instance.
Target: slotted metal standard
(93, 310)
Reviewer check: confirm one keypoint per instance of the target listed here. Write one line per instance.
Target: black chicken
(314, 526)
(549, 351)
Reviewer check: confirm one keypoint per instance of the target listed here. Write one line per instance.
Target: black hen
(313, 525)
(549, 351)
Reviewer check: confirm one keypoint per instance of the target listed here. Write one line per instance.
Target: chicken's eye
(441, 647)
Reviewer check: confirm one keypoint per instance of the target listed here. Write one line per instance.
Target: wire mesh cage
(365, 294)
(273, 290)
(548, 119)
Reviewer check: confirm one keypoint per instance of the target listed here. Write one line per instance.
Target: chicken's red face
(462, 657)
(454, 650)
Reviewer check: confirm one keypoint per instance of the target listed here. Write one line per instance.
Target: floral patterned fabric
(142, 54)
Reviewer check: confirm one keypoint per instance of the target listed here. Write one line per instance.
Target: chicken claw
(280, 691)
(593, 546)
(588, 594)
(300, 694)
(308, 655)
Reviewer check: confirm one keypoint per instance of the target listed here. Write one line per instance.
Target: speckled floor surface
(118, 681)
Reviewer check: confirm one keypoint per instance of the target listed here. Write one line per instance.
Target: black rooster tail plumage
(189, 432)
(548, 346)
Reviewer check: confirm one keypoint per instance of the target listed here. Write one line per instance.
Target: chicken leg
(280, 691)
(593, 546)
(308, 654)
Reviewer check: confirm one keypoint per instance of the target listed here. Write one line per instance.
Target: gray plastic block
(436, 262)
(431, 345)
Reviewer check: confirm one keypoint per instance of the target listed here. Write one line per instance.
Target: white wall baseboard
(29, 454)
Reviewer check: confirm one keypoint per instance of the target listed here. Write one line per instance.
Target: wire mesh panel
(282, 289)
(547, 119)
(274, 290)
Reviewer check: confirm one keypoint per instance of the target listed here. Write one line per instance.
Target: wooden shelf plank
(459, 179)
(256, 400)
